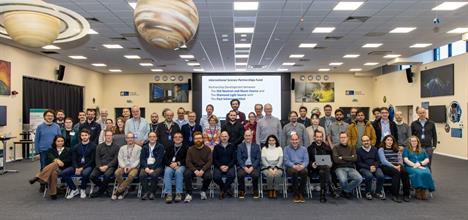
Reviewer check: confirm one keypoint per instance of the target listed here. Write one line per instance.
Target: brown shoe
(275, 195)
(241, 194)
(270, 194)
(221, 195)
(256, 195)
(301, 198)
(423, 194)
(296, 198)
(417, 194)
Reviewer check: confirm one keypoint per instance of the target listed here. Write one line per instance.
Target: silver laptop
(323, 160)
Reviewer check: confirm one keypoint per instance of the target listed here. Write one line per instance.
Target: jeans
(179, 179)
(346, 173)
(43, 158)
(218, 178)
(149, 182)
(368, 177)
(69, 172)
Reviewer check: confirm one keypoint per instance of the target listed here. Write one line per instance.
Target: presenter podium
(4, 170)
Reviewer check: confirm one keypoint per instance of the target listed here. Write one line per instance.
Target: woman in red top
(251, 124)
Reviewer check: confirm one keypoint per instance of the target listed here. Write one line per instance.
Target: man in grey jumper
(293, 127)
(404, 130)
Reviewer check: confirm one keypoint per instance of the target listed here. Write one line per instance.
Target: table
(4, 169)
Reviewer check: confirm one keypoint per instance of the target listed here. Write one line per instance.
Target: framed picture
(169, 92)
(314, 92)
(5, 77)
(438, 81)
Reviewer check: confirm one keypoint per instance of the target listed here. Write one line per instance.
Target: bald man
(248, 160)
(404, 130)
(138, 126)
(296, 160)
(425, 130)
(102, 118)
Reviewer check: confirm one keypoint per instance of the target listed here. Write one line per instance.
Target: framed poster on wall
(314, 92)
(169, 92)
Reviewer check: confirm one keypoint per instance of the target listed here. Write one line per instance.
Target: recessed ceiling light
(243, 40)
(193, 64)
(99, 64)
(242, 45)
(78, 57)
(91, 31)
(335, 64)
(347, 6)
(323, 30)
(296, 56)
(307, 45)
(146, 64)
(392, 56)
(224, 35)
(133, 5)
(402, 30)
(247, 30)
(241, 56)
(243, 35)
(459, 31)
(288, 64)
(132, 57)
(112, 46)
(115, 70)
(282, 70)
(371, 45)
(324, 70)
(245, 6)
(449, 6)
(187, 56)
(198, 70)
(225, 40)
(370, 64)
(351, 56)
(51, 47)
(355, 69)
(157, 70)
(420, 45)
(241, 70)
(241, 64)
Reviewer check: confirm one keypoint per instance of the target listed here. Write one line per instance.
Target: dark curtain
(38, 93)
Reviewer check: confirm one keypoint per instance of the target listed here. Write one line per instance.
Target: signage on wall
(127, 93)
(353, 92)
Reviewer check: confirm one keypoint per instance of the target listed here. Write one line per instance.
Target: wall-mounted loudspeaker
(293, 83)
(60, 72)
(409, 75)
(189, 84)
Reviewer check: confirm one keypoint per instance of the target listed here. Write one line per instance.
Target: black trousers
(218, 178)
(324, 174)
(299, 180)
(149, 182)
(188, 178)
(402, 176)
(106, 176)
(241, 174)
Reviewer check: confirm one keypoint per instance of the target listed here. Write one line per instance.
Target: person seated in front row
(199, 160)
(392, 165)
(83, 163)
(318, 147)
(272, 165)
(296, 160)
(368, 165)
(58, 159)
(174, 160)
(151, 166)
(248, 159)
(416, 163)
(129, 161)
(224, 160)
(344, 157)
(106, 162)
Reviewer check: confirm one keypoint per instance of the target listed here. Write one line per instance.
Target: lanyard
(192, 130)
(151, 150)
(176, 151)
(169, 132)
(83, 152)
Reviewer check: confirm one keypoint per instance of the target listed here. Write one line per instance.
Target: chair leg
(139, 190)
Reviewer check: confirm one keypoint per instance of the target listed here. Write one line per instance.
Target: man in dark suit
(248, 159)
(384, 126)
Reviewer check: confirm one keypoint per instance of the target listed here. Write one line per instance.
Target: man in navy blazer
(248, 159)
(151, 165)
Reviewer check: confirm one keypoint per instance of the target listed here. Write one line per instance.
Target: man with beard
(154, 122)
(337, 127)
(190, 128)
(234, 128)
(327, 119)
(91, 125)
(198, 162)
(359, 128)
(60, 118)
(293, 127)
(224, 159)
(240, 116)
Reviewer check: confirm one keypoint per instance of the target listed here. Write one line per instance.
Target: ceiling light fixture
(324, 70)
(372, 45)
(247, 30)
(242, 45)
(132, 57)
(282, 70)
(288, 64)
(245, 6)
(347, 6)
(198, 70)
(241, 56)
(351, 56)
(157, 70)
(458, 30)
(355, 69)
(420, 45)
(50, 47)
(296, 56)
(307, 45)
(402, 30)
(187, 56)
(91, 31)
(115, 70)
(99, 64)
(132, 4)
(78, 57)
(335, 64)
(146, 64)
(370, 64)
(112, 46)
(392, 56)
(323, 30)
(449, 6)
(193, 64)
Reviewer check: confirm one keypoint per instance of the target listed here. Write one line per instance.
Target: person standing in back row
(167, 129)
(235, 104)
(293, 127)
(234, 128)
(138, 126)
(268, 125)
(303, 119)
(425, 130)
(335, 128)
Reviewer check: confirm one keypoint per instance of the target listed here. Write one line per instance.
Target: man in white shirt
(138, 126)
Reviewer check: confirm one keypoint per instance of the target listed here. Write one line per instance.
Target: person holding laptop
(320, 164)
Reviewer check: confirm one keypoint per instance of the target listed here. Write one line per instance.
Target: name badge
(135, 135)
(82, 160)
(72, 133)
(169, 137)
(173, 159)
(151, 161)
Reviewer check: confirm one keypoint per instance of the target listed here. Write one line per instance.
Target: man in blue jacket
(296, 160)
(248, 159)
(44, 136)
(151, 166)
(368, 166)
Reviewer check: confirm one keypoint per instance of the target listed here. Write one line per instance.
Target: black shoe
(335, 195)
(406, 198)
(97, 194)
(347, 195)
(53, 197)
(42, 188)
(151, 196)
(323, 199)
(33, 180)
(396, 199)
(145, 196)
(230, 193)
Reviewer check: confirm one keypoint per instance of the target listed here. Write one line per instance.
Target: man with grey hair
(167, 129)
(404, 130)
(425, 130)
(138, 126)
(259, 111)
(268, 125)
(102, 118)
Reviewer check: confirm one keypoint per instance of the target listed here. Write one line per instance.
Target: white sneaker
(72, 194)
(114, 196)
(317, 188)
(203, 195)
(188, 198)
(83, 193)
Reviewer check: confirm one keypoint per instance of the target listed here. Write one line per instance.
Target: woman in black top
(58, 158)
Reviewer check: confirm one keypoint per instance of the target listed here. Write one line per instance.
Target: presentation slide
(249, 89)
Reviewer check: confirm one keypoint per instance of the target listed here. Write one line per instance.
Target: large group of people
(339, 153)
